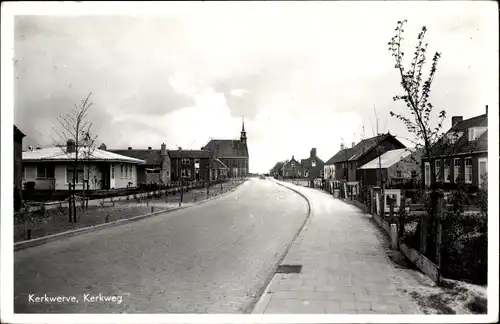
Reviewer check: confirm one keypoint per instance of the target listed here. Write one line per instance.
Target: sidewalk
(345, 269)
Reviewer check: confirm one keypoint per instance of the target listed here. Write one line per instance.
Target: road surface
(214, 257)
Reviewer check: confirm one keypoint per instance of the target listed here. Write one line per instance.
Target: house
(190, 165)
(18, 167)
(312, 167)
(156, 169)
(292, 168)
(347, 160)
(52, 168)
(395, 167)
(232, 153)
(461, 155)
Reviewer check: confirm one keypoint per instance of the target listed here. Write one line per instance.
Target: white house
(52, 168)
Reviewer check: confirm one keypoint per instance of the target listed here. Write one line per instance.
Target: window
(437, 164)
(313, 163)
(398, 174)
(293, 164)
(126, 171)
(197, 163)
(483, 171)
(44, 171)
(79, 174)
(447, 170)
(112, 171)
(121, 171)
(186, 173)
(468, 170)
(40, 171)
(413, 173)
(306, 173)
(427, 175)
(322, 173)
(472, 134)
(185, 161)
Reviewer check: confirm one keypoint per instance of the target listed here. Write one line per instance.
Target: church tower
(243, 136)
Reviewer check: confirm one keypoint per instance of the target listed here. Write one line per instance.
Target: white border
(9, 9)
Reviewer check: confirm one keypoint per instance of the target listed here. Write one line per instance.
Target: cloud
(307, 74)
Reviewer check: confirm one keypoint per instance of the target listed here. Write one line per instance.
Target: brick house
(462, 153)
(312, 167)
(292, 169)
(156, 169)
(18, 167)
(232, 153)
(190, 165)
(395, 167)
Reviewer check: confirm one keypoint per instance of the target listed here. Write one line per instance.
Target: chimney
(313, 152)
(163, 149)
(341, 146)
(455, 120)
(130, 148)
(486, 109)
(353, 144)
(149, 148)
(179, 148)
(70, 146)
(102, 147)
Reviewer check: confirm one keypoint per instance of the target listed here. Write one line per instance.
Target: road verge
(59, 236)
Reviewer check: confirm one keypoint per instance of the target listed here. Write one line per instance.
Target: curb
(260, 306)
(59, 236)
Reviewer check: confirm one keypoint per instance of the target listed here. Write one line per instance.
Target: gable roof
(387, 159)
(342, 155)
(227, 148)
(57, 154)
(151, 157)
(18, 135)
(464, 125)
(462, 144)
(194, 154)
(356, 152)
(306, 163)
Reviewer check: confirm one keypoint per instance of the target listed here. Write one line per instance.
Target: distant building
(462, 155)
(232, 153)
(52, 168)
(190, 165)
(313, 167)
(292, 168)
(156, 170)
(18, 167)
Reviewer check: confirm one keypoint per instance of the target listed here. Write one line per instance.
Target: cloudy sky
(303, 74)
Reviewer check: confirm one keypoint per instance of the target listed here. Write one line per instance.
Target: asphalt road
(214, 257)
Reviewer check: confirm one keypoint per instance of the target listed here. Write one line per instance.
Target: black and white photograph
(256, 161)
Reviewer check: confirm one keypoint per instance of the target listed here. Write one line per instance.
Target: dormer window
(476, 132)
(472, 134)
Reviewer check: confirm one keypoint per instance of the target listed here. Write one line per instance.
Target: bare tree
(77, 134)
(416, 95)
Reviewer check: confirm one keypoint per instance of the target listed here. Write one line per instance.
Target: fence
(443, 235)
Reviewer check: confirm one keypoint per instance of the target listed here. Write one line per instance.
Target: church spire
(243, 136)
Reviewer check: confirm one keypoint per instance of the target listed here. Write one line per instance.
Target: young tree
(77, 131)
(419, 109)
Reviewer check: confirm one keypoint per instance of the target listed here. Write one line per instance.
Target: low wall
(425, 265)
